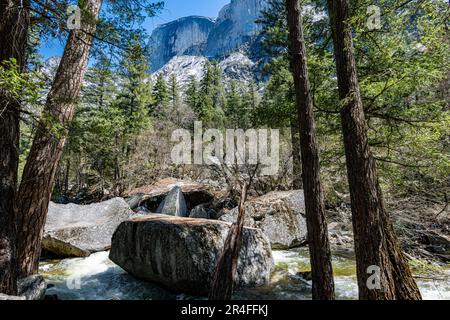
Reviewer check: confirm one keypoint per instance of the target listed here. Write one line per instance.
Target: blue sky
(173, 9)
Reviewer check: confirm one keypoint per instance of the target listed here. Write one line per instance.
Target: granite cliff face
(205, 37)
(234, 27)
(185, 36)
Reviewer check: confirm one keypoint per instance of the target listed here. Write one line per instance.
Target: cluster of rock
(280, 215)
(172, 233)
(149, 198)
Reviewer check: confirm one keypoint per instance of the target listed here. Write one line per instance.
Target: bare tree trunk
(14, 22)
(319, 246)
(223, 281)
(376, 245)
(296, 157)
(66, 177)
(39, 173)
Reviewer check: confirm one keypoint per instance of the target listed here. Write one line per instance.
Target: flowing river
(98, 278)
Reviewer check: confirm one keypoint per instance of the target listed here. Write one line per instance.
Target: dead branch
(224, 275)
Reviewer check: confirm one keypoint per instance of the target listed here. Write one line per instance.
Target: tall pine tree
(318, 242)
(161, 97)
(376, 245)
(210, 103)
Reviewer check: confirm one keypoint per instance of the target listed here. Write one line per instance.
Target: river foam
(98, 278)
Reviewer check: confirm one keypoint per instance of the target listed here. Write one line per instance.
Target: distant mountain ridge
(236, 66)
(206, 37)
(184, 36)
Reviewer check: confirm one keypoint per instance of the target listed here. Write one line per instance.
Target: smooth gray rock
(134, 200)
(181, 253)
(29, 288)
(279, 214)
(174, 204)
(213, 214)
(436, 242)
(32, 287)
(79, 230)
(199, 212)
(237, 66)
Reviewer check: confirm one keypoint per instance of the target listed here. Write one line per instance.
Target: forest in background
(124, 117)
(120, 138)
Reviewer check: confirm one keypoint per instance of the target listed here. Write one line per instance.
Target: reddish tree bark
(297, 183)
(319, 246)
(375, 240)
(14, 22)
(39, 172)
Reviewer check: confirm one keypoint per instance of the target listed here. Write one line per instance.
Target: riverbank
(422, 227)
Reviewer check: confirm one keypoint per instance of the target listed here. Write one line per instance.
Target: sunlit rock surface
(236, 66)
(186, 35)
(79, 230)
(184, 68)
(204, 37)
(234, 26)
(279, 214)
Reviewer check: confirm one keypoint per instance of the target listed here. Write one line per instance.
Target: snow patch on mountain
(184, 68)
(236, 66)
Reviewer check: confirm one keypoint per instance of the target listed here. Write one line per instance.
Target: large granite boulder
(279, 214)
(151, 196)
(32, 287)
(181, 253)
(79, 230)
(174, 204)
